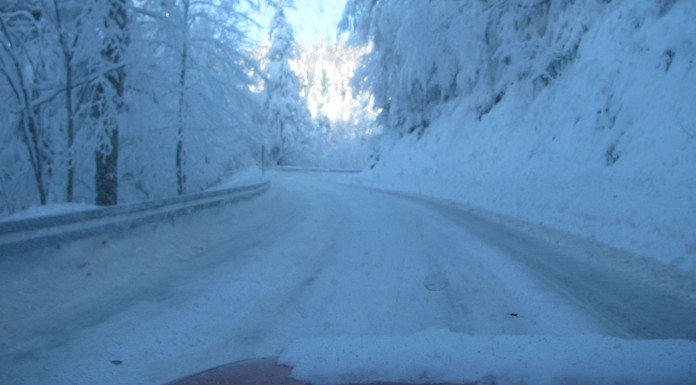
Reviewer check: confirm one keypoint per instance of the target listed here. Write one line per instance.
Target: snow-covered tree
(325, 71)
(108, 103)
(286, 110)
(74, 23)
(22, 36)
(62, 66)
(98, 96)
(427, 53)
(199, 48)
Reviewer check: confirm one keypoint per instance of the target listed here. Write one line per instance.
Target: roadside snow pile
(246, 177)
(602, 145)
(48, 211)
(436, 356)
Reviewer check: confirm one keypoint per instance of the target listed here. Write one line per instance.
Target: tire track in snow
(389, 247)
(313, 259)
(629, 308)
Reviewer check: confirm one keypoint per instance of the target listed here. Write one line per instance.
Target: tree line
(108, 98)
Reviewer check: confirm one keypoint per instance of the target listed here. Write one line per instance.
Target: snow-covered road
(310, 259)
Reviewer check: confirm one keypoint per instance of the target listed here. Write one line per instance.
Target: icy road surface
(311, 259)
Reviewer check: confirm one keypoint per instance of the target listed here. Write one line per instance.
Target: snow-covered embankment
(607, 150)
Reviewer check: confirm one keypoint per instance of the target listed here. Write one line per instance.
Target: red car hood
(262, 371)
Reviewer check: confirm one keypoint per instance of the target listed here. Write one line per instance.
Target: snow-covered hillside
(576, 115)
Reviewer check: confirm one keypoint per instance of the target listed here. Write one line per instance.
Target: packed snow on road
(346, 284)
(520, 209)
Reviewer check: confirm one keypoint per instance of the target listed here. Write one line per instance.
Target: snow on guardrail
(31, 233)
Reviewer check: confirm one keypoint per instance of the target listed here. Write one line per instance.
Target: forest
(115, 101)
(548, 107)
(103, 99)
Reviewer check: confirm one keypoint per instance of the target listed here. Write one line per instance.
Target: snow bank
(605, 151)
(433, 356)
(248, 176)
(48, 211)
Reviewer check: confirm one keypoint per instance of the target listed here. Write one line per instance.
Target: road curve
(310, 258)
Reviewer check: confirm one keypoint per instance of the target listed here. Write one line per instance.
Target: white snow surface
(443, 356)
(245, 177)
(606, 151)
(48, 210)
(344, 283)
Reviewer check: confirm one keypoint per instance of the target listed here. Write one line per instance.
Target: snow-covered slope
(605, 148)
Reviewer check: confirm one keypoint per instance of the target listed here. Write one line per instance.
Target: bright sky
(312, 20)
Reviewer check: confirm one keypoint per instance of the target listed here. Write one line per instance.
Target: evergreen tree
(287, 112)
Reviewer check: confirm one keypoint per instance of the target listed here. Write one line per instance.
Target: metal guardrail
(32, 233)
(313, 169)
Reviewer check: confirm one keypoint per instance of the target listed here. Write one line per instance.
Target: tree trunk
(70, 129)
(106, 183)
(180, 174)
(37, 160)
(180, 154)
(111, 104)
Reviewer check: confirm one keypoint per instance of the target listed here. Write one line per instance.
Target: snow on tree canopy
(575, 114)
(426, 53)
(98, 95)
(287, 112)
